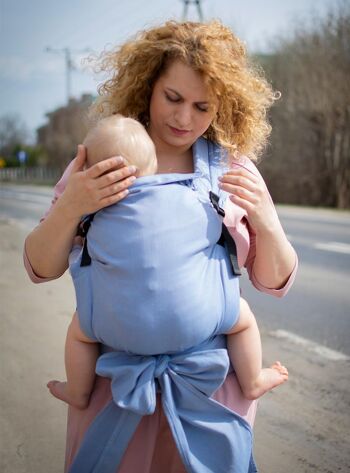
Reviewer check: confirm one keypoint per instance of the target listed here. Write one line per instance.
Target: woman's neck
(171, 162)
(171, 159)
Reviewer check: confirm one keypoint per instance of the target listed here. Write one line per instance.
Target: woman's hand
(249, 191)
(274, 256)
(103, 184)
(49, 244)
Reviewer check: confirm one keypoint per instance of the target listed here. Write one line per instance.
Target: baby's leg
(80, 360)
(244, 348)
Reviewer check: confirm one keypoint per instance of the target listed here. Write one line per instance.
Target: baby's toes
(52, 383)
(280, 368)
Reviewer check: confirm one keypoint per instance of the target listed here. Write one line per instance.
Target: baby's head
(121, 136)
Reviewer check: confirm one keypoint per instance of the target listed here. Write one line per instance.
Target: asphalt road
(301, 427)
(318, 305)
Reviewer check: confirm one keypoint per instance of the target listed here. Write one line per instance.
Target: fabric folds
(210, 437)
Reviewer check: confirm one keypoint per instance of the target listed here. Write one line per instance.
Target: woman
(182, 81)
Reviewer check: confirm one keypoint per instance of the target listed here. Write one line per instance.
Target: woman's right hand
(86, 191)
(103, 184)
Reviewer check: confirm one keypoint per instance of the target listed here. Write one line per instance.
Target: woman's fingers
(113, 199)
(117, 187)
(242, 192)
(232, 185)
(246, 204)
(249, 192)
(244, 184)
(115, 176)
(108, 180)
(105, 166)
(103, 184)
(240, 178)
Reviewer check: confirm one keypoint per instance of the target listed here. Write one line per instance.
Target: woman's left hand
(249, 191)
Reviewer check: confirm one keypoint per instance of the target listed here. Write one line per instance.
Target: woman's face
(179, 108)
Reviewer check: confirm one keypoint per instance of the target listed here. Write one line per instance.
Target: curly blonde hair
(244, 96)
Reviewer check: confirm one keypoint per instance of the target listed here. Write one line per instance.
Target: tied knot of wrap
(133, 376)
(210, 437)
(161, 365)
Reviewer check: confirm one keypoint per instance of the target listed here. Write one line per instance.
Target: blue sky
(32, 81)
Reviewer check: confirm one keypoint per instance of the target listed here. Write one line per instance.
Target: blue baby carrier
(156, 285)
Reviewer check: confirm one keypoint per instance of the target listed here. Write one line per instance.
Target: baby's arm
(244, 349)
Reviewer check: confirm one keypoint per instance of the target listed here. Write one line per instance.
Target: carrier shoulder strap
(217, 198)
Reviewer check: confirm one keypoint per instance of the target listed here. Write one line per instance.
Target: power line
(197, 3)
(69, 64)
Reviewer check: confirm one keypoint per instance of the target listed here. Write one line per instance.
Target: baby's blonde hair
(118, 135)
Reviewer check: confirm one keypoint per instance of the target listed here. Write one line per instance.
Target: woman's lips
(178, 132)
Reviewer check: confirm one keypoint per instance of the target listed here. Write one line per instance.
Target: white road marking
(309, 345)
(333, 246)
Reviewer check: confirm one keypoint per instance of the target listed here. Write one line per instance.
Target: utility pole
(197, 3)
(68, 64)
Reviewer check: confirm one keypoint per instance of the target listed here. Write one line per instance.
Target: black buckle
(226, 239)
(84, 225)
(82, 231)
(214, 199)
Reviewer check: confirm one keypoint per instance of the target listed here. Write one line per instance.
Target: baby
(118, 135)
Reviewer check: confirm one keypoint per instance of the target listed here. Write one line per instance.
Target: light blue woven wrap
(159, 292)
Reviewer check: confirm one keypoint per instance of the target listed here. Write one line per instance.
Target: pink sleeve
(282, 291)
(237, 224)
(58, 190)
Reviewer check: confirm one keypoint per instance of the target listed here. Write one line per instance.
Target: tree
(13, 132)
(309, 159)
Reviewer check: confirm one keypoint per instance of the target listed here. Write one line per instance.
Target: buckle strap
(82, 231)
(226, 239)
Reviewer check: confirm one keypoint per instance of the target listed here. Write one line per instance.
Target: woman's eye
(172, 99)
(201, 108)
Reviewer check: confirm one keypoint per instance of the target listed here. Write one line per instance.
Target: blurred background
(46, 86)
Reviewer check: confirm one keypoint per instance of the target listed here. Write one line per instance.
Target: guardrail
(30, 174)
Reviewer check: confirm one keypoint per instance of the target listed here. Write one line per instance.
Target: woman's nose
(183, 116)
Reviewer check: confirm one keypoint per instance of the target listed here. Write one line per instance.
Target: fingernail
(132, 169)
(132, 178)
(119, 160)
(220, 178)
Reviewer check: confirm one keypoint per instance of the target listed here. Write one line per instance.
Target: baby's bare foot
(268, 379)
(60, 390)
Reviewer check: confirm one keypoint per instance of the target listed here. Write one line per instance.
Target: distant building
(65, 129)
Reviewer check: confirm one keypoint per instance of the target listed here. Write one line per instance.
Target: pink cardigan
(152, 449)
